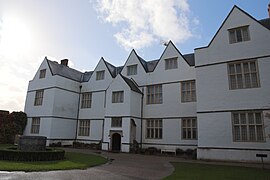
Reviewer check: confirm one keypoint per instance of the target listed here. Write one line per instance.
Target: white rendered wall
(97, 110)
(215, 100)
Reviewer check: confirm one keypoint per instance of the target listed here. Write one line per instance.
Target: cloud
(17, 64)
(143, 22)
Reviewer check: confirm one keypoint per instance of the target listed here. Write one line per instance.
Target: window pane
(237, 133)
(233, 81)
(251, 118)
(232, 37)
(245, 34)
(258, 118)
(247, 81)
(243, 118)
(259, 133)
(244, 133)
(239, 35)
(252, 136)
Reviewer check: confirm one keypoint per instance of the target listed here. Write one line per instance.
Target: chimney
(269, 10)
(64, 62)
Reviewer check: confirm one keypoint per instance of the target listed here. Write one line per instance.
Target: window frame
(188, 94)
(234, 36)
(100, 75)
(86, 102)
(236, 75)
(171, 63)
(35, 125)
(247, 126)
(39, 97)
(132, 70)
(117, 96)
(116, 122)
(42, 73)
(84, 127)
(154, 94)
(155, 130)
(185, 127)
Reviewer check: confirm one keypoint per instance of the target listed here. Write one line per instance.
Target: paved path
(122, 166)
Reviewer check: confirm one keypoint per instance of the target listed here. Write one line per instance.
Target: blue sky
(83, 31)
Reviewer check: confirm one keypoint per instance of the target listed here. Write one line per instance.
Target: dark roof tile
(64, 71)
(190, 58)
(131, 84)
(265, 23)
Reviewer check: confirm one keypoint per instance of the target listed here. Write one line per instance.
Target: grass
(189, 171)
(71, 161)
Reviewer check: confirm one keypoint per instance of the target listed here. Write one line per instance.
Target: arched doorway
(116, 142)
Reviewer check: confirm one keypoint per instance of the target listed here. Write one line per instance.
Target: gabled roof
(64, 71)
(114, 71)
(141, 60)
(190, 58)
(131, 84)
(151, 65)
(86, 76)
(264, 22)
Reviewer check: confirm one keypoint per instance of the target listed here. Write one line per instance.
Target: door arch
(116, 142)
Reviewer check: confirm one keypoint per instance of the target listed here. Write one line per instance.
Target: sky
(83, 31)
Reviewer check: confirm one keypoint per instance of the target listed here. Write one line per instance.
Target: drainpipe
(78, 113)
(141, 117)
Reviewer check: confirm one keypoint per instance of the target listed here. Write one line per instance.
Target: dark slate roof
(65, 71)
(143, 62)
(113, 70)
(265, 23)
(131, 84)
(190, 59)
(86, 76)
(118, 69)
(151, 65)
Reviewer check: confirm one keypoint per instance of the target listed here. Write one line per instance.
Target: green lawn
(188, 171)
(72, 161)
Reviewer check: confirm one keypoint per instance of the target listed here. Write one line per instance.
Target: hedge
(12, 154)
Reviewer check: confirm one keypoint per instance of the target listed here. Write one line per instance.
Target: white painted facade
(61, 110)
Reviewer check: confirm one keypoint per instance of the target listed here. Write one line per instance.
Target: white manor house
(215, 100)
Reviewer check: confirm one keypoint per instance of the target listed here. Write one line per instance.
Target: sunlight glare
(15, 37)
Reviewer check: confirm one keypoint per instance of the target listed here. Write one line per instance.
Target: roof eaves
(107, 65)
(131, 84)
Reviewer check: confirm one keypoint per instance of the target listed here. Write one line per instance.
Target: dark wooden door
(116, 142)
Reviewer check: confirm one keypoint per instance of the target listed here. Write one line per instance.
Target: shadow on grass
(71, 161)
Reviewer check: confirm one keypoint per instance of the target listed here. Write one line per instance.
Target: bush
(189, 152)
(95, 146)
(180, 151)
(12, 154)
(10, 125)
(152, 150)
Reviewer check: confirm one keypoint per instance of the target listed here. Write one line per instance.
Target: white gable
(134, 60)
(220, 50)
(96, 85)
(183, 71)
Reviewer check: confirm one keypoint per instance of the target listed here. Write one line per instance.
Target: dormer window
(239, 34)
(100, 75)
(42, 73)
(171, 63)
(132, 70)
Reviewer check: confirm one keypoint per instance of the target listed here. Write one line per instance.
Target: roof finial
(165, 43)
